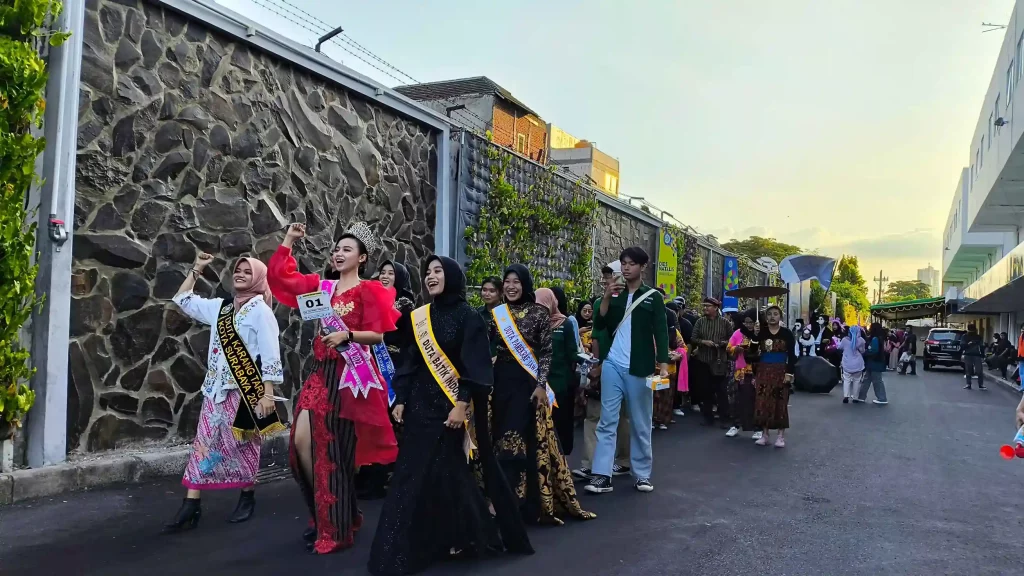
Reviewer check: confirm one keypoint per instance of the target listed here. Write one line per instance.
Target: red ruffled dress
(348, 431)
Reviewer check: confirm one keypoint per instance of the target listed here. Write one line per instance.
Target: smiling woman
(341, 416)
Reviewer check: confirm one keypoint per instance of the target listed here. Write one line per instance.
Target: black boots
(246, 506)
(187, 517)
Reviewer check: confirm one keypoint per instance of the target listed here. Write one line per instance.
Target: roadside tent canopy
(910, 309)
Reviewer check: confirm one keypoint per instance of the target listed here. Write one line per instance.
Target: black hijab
(454, 281)
(525, 278)
(403, 284)
(563, 302)
(584, 323)
(749, 334)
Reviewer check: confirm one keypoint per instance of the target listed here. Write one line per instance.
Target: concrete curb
(991, 375)
(33, 483)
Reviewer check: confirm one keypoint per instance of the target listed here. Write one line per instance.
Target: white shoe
(732, 432)
(757, 435)
(679, 412)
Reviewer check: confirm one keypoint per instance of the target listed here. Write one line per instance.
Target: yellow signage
(666, 278)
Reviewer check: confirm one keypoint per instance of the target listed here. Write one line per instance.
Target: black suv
(943, 348)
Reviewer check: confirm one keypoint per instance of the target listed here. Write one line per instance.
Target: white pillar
(47, 420)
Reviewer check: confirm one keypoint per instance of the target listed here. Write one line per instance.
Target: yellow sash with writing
(517, 345)
(444, 372)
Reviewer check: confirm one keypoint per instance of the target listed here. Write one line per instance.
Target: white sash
(520, 350)
(636, 302)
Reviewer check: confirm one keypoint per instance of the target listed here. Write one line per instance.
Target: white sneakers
(732, 432)
(757, 435)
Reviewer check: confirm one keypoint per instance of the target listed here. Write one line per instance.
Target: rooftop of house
(479, 85)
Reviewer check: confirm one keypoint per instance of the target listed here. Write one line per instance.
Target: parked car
(942, 348)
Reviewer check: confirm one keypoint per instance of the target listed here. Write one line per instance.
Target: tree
(755, 247)
(903, 290)
(848, 272)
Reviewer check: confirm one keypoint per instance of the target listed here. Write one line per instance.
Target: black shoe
(245, 507)
(982, 387)
(846, 400)
(619, 470)
(187, 517)
(309, 536)
(599, 485)
(644, 485)
(583, 473)
(968, 387)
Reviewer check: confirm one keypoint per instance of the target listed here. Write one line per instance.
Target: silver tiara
(367, 236)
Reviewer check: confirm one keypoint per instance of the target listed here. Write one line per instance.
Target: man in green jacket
(634, 316)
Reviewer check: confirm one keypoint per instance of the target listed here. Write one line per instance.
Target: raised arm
(203, 310)
(283, 276)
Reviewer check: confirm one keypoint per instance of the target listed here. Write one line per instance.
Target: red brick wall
(507, 127)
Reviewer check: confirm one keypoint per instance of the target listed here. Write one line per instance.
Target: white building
(930, 277)
(983, 253)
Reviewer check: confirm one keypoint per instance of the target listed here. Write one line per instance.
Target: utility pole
(881, 279)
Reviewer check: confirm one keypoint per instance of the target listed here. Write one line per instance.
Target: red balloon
(1007, 452)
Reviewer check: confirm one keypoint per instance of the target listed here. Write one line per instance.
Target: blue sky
(840, 126)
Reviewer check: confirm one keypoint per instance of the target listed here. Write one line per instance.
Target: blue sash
(386, 366)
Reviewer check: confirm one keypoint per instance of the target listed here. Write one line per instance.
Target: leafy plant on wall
(689, 267)
(22, 28)
(536, 228)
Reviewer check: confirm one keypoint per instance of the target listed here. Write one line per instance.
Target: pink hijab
(258, 286)
(546, 298)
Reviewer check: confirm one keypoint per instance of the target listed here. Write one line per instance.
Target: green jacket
(649, 345)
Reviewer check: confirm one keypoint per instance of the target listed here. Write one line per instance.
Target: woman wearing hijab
(743, 348)
(435, 508)
(562, 376)
(226, 451)
(585, 320)
(524, 436)
(371, 481)
(341, 419)
(774, 374)
(852, 348)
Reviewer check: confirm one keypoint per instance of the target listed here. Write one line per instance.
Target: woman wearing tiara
(345, 396)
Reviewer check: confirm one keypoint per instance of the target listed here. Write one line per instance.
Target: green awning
(910, 309)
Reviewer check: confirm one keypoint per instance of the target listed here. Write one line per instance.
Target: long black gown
(435, 505)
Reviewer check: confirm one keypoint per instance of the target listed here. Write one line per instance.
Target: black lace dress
(435, 507)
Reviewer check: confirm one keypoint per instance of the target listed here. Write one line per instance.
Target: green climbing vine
(542, 228)
(22, 32)
(689, 268)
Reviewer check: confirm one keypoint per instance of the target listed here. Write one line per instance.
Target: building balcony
(1000, 289)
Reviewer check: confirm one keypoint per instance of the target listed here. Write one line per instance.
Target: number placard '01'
(314, 306)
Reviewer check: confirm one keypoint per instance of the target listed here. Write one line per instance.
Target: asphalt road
(915, 487)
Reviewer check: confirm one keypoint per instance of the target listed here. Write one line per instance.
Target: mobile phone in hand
(327, 330)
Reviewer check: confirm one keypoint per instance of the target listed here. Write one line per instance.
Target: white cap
(616, 267)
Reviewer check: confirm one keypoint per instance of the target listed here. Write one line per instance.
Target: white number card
(314, 306)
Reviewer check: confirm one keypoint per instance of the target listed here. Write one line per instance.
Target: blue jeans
(618, 385)
(873, 378)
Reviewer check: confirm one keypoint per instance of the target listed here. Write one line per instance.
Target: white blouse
(257, 327)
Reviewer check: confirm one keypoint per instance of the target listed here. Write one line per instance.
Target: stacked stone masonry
(190, 141)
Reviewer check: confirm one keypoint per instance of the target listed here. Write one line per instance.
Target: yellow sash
(517, 345)
(444, 372)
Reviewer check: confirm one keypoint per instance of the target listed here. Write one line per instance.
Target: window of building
(998, 115)
(1020, 55)
(991, 119)
(981, 153)
(521, 143)
(1010, 84)
(611, 183)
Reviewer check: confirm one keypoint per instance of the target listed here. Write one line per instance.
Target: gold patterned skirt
(527, 449)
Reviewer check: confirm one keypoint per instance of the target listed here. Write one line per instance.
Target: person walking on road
(743, 346)
(711, 363)
(226, 451)
(634, 315)
(852, 347)
(973, 352)
(774, 374)
(909, 348)
(1002, 354)
(875, 365)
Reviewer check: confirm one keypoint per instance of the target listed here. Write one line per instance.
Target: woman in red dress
(344, 397)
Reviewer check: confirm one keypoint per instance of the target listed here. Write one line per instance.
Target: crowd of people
(462, 418)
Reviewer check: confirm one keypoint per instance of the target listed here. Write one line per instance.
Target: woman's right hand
(202, 261)
(398, 411)
(296, 230)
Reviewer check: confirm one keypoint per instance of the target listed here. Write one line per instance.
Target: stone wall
(190, 141)
(617, 230)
